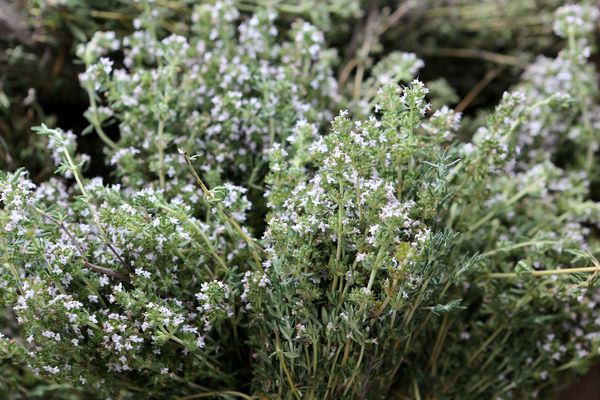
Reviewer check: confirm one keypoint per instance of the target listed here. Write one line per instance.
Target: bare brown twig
(375, 26)
(94, 267)
(474, 92)
(106, 271)
(477, 53)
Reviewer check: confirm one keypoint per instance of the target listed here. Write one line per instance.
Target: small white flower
(361, 257)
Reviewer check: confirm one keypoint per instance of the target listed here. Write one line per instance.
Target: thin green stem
(160, 144)
(207, 193)
(216, 393)
(501, 275)
(209, 246)
(518, 246)
(75, 172)
(439, 342)
(340, 229)
(525, 191)
(376, 266)
(485, 344)
(284, 367)
(95, 120)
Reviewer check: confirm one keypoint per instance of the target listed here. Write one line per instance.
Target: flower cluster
(134, 281)
(357, 258)
(569, 74)
(529, 326)
(226, 93)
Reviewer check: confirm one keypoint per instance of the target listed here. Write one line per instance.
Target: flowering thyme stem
(63, 227)
(207, 193)
(340, 229)
(385, 303)
(77, 176)
(75, 172)
(209, 245)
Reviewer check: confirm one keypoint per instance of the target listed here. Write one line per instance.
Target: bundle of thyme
(244, 247)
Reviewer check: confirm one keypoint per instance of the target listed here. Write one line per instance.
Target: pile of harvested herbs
(298, 199)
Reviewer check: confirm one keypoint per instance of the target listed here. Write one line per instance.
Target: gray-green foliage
(393, 254)
(230, 90)
(533, 326)
(135, 280)
(358, 259)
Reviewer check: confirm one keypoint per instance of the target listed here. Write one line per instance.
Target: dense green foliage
(283, 216)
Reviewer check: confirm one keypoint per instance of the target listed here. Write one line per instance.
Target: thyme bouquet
(534, 325)
(245, 248)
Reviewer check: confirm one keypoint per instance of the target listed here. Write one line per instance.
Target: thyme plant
(396, 260)
(120, 290)
(530, 324)
(227, 92)
(358, 259)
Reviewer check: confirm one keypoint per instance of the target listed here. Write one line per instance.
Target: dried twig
(76, 243)
(375, 26)
(477, 53)
(106, 271)
(474, 92)
(393, 18)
